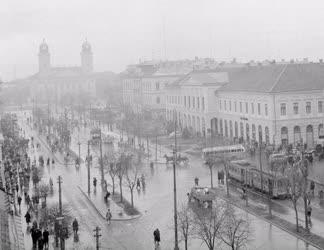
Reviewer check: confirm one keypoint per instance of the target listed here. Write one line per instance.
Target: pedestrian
(312, 187)
(108, 216)
(143, 181)
(28, 218)
(157, 238)
(45, 237)
(75, 226)
(19, 200)
(33, 233)
(53, 161)
(94, 182)
(196, 181)
(309, 213)
(40, 242)
(17, 187)
(138, 184)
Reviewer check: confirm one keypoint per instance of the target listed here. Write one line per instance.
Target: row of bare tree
(216, 227)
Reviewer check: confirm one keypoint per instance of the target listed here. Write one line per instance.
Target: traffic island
(121, 211)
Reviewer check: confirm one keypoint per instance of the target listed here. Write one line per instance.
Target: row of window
(190, 102)
(242, 107)
(146, 85)
(296, 111)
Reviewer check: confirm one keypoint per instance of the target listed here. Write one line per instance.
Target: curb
(94, 206)
(270, 222)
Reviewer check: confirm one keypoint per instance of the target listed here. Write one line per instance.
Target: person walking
(108, 216)
(138, 184)
(196, 181)
(95, 182)
(45, 237)
(33, 233)
(157, 238)
(309, 213)
(75, 226)
(28, 218)
(19, 201)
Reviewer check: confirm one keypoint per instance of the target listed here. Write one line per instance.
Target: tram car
(220, 151)
(248, 174)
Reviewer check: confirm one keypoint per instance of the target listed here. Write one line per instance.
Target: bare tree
(131, 177)
(208, 225)
(295, 186)
(44, 190)
(185, 224)
(210, 162)
(235, 231)
(121, 169)
(113, 172)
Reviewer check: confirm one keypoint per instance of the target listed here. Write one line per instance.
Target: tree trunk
(113, 182)
(227, 187)
(296, 215)
(305, 208)
(186, 244)
(211, 176)
(132, 196)
(121, 189)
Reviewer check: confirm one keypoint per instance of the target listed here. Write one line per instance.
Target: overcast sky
(123, 31)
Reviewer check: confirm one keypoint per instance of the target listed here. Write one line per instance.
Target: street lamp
(176, 247)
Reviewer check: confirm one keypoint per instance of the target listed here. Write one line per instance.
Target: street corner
(117, 211)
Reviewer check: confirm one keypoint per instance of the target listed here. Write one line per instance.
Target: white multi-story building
(191, 100)
(277, 103)
(143, 87)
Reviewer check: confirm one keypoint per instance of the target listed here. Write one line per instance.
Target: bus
(230, 151)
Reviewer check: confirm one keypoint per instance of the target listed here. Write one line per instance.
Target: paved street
(155, 205)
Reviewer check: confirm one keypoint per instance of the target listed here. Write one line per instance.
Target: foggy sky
(123, 31)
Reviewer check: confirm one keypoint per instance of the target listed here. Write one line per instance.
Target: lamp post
(176, 247)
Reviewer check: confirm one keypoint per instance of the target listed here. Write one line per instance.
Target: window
(240, 107)
(283, 109)
(185, 101)
(320, 106)
(266, 109)
(246, 107)
(198, 103)
(189, 101)
(225, 105)
(203, 103)
(252, 108)
(295, 108)
(230, 105)
(158, 100)
(259, 108)
(220, 105)
(308, 107)
(157, 86)
(193, 102)
(235, 106)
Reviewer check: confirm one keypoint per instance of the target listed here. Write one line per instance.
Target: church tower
(86, 57)
(44, 58)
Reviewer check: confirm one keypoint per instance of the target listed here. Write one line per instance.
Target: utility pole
(79, 160)
(260, 161)
(101, 162)
(62, 241)
(97, 235)
(156, 148)
(88, 167)
(176, 247)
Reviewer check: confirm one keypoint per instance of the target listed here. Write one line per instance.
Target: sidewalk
(97, 201)
(284, 221)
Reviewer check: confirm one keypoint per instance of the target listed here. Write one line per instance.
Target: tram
(247, 174)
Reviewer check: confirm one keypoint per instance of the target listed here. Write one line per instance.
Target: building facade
(190, 100)
(54, 84)
(276, 104)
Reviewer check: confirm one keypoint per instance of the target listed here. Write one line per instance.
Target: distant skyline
(122, 32)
